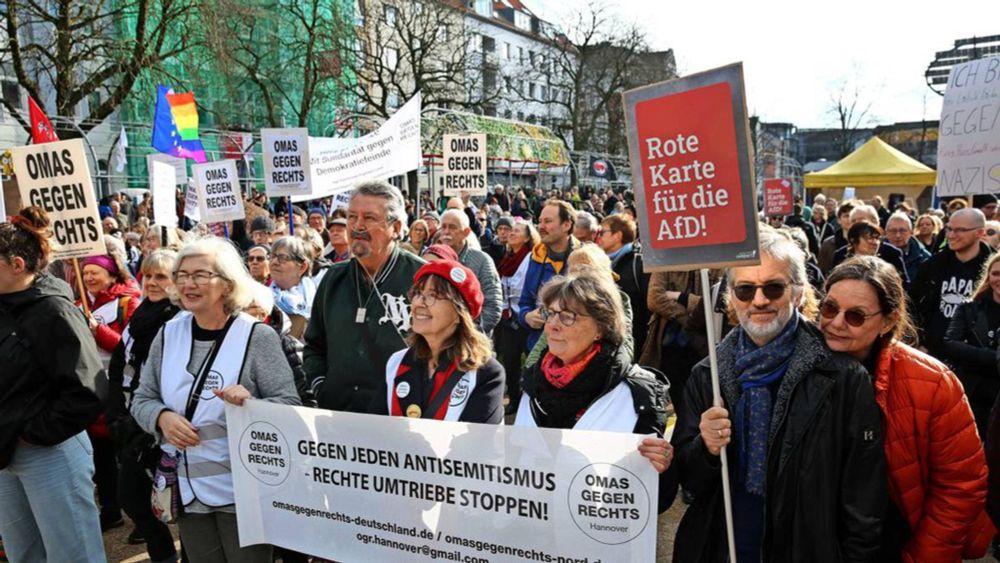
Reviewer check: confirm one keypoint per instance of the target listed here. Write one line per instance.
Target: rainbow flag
(175, 125)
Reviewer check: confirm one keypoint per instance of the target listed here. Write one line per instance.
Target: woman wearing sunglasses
(936, 467)
(586, 379)
(447, 371)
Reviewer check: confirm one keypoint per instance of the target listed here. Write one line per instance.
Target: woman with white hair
(293, 287)
(210, 354)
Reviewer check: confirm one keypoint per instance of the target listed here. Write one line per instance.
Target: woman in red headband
(447, 372)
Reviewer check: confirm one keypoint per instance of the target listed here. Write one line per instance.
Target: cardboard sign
(358, 487)
(849, 193)
(56, 177)
(464, 159)
(286, 162)
(340, 164)
(968, 159)
(777, 197)
(690, 152)
(340, 200)
(218, 191)
(163, 187)
(191, 207)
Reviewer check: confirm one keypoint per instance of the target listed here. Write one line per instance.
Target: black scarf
(559, 408)
(146, 321)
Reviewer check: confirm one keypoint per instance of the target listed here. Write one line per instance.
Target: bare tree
(420, 46)
(282, 54)
(851, 114)
(89, 50)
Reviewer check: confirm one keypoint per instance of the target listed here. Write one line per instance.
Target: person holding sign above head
(586, 379)
(800, 426)
(210, 355)
(47, 399)
(447, 372)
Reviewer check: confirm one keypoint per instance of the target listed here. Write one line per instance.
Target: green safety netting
(505, 140)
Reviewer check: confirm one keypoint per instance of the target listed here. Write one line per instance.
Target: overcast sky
(796, 55)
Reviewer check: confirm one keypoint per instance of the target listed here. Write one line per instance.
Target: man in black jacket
(806, 465)
(617, 239)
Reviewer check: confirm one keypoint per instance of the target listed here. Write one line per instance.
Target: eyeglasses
(257, 258)
(854, 317)
(283, 258)
(991, 232)
(745, 292)
(429, 298)
(899, 231)
(567, 318)
(199, 278)
(961, 229)
(872, 237)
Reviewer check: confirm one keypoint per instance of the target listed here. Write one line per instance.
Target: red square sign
(777, 197)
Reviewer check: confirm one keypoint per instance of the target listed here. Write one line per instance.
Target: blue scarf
(758, 369)
(614, 255)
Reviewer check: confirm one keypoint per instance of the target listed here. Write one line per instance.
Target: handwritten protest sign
(286, 161)
(353, 487)
(691, 164)
(56, 177)
(969, 134)
(218, 191)
(464, 164)
(777, 197)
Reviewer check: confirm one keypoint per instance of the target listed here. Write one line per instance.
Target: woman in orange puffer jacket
(936, 466)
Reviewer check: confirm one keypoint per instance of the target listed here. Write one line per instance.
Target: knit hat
(262, 223)
(982, 200)
(505, 222)
(318, 211)
(460, 277)
(105, 262)
(432, 214)
(442, 250)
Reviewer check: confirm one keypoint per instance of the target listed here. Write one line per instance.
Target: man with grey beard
(361, 311)
(800, 426)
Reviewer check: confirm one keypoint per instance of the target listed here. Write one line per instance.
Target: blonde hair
(228, 265)
(983, 287)
(590, 257)
(467, 346)
(161, 259)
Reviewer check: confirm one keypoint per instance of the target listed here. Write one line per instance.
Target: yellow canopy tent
(874, 169)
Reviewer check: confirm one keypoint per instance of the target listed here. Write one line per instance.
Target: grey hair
(976, 216)
(298, 248)
(262, 296)
(866, 210)
(585, 220)
(161, 259)
(463, 219)
(597, 294)
(900, 217)
(395, 207)
(228, 265)
(780, 246)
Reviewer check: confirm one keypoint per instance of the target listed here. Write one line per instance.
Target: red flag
(41, 128)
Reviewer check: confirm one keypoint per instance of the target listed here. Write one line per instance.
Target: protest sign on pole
(191, 208)
(340, 201)
(163, 187)
(286, 161)
(464, 159)
(692, 168)
(340, 164)
(218, 191)
(849, 193)
(777, 197)
(354, 487)
(968, 158)
(56, 177)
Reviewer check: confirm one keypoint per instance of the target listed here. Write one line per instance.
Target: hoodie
(541, 268)
(51, 368)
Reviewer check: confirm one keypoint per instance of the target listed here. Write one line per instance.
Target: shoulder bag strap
(206, 366)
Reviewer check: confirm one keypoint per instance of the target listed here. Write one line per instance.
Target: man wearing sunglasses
(800, 426)
(992, 234)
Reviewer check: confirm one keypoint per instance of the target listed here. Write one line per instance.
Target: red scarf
(511, 261)
(560, 375)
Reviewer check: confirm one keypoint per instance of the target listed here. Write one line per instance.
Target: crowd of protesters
(858, 363)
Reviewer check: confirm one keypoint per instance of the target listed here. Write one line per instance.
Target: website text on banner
(340, 164)
(777, 197)
(353, 487)
(465, 163)
(969, 134)
(691, 163)
(56, 177)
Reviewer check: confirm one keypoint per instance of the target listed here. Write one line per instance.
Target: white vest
(204, 472)
(613, 412)
(459, 394)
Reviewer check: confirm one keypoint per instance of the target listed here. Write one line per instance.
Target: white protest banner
(354, 487)
(968, 159)
(340, 200)
(191, 207)
(340, 164)
(56, 177)
(690, 152)
(464, 159)
(218, 191)
(849, 193)
(163, 187)
(286, 161)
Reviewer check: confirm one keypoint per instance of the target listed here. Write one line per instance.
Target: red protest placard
(691, 163)
(777, 197)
